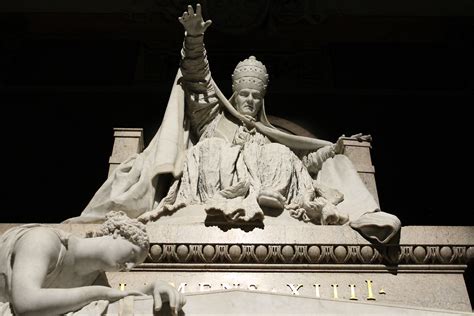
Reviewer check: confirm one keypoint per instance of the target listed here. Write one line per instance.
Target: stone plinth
(319, 262)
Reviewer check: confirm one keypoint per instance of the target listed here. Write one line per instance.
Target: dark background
(400, 71)
(402, 74)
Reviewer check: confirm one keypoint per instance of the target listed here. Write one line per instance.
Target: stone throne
(295, 267)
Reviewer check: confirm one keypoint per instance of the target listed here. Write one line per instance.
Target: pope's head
(249, 83)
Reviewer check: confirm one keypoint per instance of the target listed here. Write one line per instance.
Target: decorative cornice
(310, 254)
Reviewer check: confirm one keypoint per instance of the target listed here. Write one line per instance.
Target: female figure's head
(127, 240)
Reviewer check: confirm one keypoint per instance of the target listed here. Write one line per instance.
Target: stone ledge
(285, 234)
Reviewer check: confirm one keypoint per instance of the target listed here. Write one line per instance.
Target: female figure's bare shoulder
(40, 234)
(39, 239)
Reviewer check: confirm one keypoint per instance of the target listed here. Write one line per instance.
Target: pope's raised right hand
(193, 22)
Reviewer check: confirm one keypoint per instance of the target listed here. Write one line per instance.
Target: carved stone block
(127, 141)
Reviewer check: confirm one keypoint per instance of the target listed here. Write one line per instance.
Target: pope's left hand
(360, 137)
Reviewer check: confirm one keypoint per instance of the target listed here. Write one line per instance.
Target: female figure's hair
(119, 223)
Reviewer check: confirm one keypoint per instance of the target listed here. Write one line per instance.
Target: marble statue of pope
(225, 155)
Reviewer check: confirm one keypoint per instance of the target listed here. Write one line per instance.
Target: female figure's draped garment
(7, 246)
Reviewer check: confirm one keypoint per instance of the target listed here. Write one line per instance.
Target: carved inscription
(331, 290)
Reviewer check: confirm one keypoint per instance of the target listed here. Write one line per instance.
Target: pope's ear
(232, 98)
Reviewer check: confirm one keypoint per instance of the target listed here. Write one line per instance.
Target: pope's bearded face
(248, 101)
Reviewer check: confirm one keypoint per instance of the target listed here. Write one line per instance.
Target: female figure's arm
(163, 292)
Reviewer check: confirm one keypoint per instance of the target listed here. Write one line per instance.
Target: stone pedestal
(329, 262)
(321, 263)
